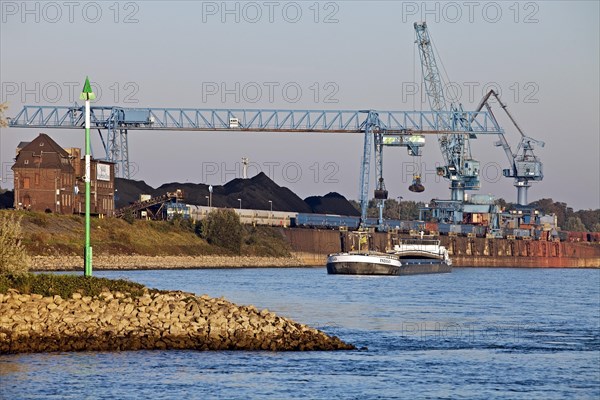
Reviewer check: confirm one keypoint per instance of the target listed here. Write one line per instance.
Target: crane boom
(460, 168)
(525, 166)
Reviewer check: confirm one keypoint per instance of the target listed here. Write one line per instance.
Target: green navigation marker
(87, 95)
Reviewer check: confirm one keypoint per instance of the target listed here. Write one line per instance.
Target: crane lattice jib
(431, 75)
(455, 149)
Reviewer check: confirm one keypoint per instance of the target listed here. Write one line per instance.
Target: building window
(25, 183)
(26, 162)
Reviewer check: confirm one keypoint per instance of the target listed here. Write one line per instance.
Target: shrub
(180, 222)
(222, 228)
(129, 217)
(13, 258)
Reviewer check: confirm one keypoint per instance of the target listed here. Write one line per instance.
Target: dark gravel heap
(128, 191)
(331, 203)
(254, 192)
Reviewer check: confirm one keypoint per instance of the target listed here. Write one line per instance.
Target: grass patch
(38, 219)
(62, 235)
(264, 241)
(66, 285)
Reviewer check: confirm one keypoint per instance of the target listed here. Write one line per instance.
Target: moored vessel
(406, 257)
(367, 263)
(422, 256)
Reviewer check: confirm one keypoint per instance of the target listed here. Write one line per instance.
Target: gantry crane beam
(181, 119)
(390, 128)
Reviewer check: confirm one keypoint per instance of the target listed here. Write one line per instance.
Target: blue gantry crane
(380, 128)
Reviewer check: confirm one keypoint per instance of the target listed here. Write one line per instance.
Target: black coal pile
(254, 193)
(128, 191)
(331, 203)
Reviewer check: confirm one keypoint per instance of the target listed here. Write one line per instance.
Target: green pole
(87, 95)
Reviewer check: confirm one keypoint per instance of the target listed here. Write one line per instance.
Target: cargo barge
(410, 256)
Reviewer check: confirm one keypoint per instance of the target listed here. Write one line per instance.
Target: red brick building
(50, 178)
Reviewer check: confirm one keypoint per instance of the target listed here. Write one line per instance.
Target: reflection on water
(483, 333)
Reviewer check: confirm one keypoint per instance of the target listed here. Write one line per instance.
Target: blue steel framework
(380, 128)
(460, 168)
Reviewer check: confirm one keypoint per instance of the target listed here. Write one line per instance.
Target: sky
(542, 56)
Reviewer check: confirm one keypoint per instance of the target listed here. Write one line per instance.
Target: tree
(589, 218)
(13, 258)
(222, 228)
(504, 205)
(549, 206)
(574, 224)
(393, 209)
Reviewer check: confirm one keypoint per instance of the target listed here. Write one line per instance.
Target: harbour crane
(460, 168)
(525, 166)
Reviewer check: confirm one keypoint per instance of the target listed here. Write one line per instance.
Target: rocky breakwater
(165, 320)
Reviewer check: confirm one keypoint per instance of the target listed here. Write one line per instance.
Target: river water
(474, 333)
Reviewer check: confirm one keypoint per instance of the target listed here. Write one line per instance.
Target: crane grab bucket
(416, 185)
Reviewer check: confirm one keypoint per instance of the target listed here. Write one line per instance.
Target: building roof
(43, 152)
(46, 144)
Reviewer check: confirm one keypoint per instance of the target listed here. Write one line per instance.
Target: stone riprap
(72, 263)
(165, 320)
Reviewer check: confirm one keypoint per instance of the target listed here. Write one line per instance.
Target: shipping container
(480, 231)
(393, 223)
(455, 228)
(405, 226)
(466, 229)
(431, 226)
(481, 199)
(444, 228)
(417, 226)
(521, 233)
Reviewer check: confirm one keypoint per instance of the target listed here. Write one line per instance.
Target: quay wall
(312, 247)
